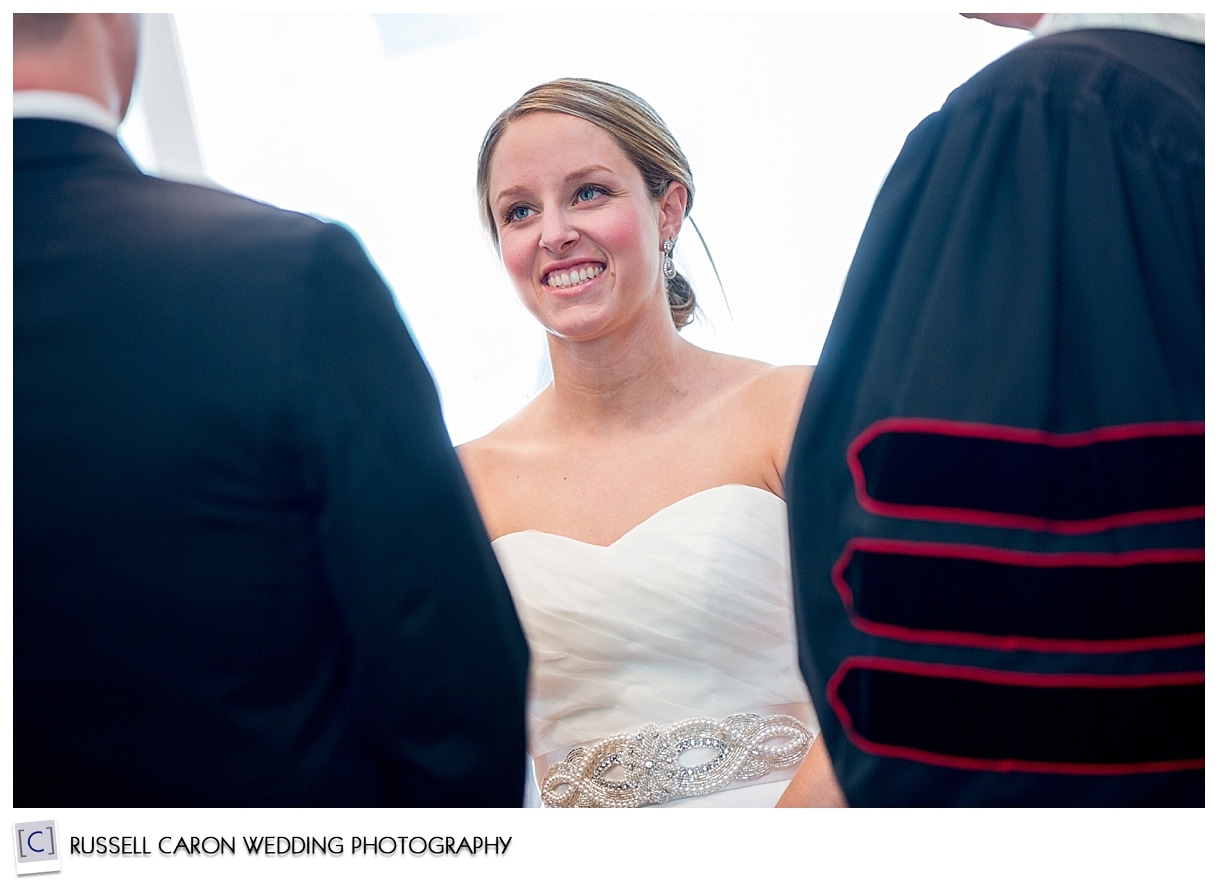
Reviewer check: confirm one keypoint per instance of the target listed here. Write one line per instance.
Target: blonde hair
(638, 130)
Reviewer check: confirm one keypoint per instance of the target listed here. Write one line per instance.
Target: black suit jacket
(996, 488)
(247, 568)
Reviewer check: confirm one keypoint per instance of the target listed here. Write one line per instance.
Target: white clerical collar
(66, 106)
(1180, 25)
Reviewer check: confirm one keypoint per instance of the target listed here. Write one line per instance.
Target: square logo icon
(36, 847)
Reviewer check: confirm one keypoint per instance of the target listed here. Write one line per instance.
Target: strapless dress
(688, 615)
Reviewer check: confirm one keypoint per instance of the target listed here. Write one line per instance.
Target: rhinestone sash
(645, 767)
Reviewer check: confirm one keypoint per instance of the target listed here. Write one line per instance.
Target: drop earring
(670, 271)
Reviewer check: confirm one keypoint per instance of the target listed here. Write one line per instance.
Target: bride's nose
(557, 234)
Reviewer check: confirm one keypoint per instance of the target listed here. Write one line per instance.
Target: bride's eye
(588, 192)
(516, 213)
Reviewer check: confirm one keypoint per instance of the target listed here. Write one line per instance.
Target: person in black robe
(996, 488)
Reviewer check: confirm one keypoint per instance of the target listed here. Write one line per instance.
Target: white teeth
(565, 279)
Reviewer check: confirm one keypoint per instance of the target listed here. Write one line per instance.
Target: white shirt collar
(66, 106)
(1180, 25)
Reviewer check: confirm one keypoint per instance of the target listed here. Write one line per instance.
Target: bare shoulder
(757, 390)
(775, 399)
(770, 401)
(784, 382)
(497, 463)
(773, 389)
(500, 447)
(477, 459)
(473, 454)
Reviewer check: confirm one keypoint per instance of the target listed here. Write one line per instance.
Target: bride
(636, 503)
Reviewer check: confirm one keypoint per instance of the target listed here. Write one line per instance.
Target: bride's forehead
(544, 140)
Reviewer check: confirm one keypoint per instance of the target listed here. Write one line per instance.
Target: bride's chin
(569, 326)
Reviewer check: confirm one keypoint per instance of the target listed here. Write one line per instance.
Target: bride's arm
(776, 404)
(815, 784)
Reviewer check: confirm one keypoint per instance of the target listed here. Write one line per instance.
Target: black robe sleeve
(996, 489)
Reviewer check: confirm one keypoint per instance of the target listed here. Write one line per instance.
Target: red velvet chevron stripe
(993, 598)
(1000, 476)
(988, 720)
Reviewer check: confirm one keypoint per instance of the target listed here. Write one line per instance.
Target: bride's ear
(672, 210)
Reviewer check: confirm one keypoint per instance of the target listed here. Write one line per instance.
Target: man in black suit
(996, 489)
(247, 568)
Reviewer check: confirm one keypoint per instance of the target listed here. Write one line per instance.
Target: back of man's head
(89, 54)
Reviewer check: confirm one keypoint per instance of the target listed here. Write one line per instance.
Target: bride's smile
(572, 276)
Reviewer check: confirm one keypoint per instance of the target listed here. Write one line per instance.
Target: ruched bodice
(687, 615)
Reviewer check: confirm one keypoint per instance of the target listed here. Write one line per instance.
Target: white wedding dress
(687, 615)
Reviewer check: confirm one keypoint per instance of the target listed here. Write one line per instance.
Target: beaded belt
(645, 767)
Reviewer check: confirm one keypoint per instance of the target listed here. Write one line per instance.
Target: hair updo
(638, 130)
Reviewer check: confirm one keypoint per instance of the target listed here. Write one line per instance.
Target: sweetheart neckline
(645, 521)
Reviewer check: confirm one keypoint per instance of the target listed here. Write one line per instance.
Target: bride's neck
(616, 383)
